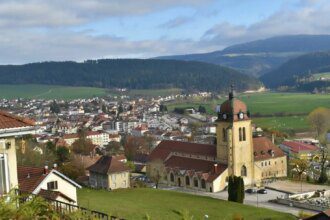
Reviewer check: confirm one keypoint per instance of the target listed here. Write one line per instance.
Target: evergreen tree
(236, 189)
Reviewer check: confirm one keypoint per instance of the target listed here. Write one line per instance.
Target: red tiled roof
(165, 147)
(296, 146)
(53, 195)
(11, 121)
(108, 164)
(263, 148)
(29, 178)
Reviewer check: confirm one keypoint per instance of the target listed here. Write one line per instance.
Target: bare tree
(320, 121)
(156, 171)
(300, 166)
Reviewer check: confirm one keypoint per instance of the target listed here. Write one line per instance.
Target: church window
(187, 181)
(269, 163)
(243, 171)
(224, 135)
(203, 184)
(240, 134)
(195, 182)
(172, 177)
(244, 134)
(262, 164)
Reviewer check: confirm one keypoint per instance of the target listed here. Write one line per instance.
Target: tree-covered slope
(128, 73)
(298, 72)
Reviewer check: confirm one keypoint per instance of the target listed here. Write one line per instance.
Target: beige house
(10, 127)
(237, 152)
(109, 172)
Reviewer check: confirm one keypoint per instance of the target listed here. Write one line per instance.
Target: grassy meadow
(161, 204)
(269, 106)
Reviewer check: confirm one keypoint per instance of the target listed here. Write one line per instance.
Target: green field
(161, 204)
(71, 92)
(268, 104)
(49, 92)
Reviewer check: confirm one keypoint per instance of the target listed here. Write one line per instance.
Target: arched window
(187, 181)
(172, 177)
(224, 135)
(243, 171)
(195, 182)
(240, 134)
(203, 184)
(244, 134)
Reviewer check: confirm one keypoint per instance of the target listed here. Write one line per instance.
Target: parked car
(262, 191)
(251, 190)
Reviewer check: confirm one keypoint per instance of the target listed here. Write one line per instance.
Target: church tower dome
(233, 109)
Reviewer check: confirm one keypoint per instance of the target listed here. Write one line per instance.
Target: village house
(48, 183)
(109, 172)
(10, 127)
(295, 149)
(98, 138)
(206, 167)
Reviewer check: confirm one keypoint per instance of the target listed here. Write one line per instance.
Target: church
(236, 152)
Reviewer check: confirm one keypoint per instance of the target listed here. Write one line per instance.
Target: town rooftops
(296, 146)
(264, 149)
(108, 164)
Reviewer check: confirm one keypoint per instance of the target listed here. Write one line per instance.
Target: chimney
(45, 170)
(215, 168)
(273, 138)
(55, 166)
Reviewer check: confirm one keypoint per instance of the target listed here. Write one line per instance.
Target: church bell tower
(234, 138)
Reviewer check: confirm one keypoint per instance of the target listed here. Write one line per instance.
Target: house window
(243, 171)
(187, 181)
(4, 179)
(195, 182)
(52, 185)
(203, 184)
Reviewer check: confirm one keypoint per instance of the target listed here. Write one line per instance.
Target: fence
(63, 207)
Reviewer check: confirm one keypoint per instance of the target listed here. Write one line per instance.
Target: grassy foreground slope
(48, 92)
(160, 204)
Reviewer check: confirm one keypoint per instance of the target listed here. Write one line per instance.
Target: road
(259, 200)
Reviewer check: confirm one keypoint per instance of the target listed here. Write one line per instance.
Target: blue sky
(40, 30)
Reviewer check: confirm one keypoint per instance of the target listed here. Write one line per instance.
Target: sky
(60, 30)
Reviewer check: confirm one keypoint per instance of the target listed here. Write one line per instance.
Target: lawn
(161, 204)
(49, 92)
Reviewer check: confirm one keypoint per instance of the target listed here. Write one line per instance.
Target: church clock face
(224, 116)
(241, 115)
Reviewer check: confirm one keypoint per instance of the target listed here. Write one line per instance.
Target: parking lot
(255, 199)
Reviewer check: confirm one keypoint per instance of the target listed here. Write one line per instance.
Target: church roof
(165, 147)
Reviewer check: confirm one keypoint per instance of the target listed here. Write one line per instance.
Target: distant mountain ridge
(129, 73)
(261, 56)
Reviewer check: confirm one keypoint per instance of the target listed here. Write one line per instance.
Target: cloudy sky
(42, 30)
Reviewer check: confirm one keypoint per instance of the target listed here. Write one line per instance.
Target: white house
(50, 184)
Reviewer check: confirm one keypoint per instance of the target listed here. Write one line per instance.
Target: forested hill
(300, 72)
(128, 73)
